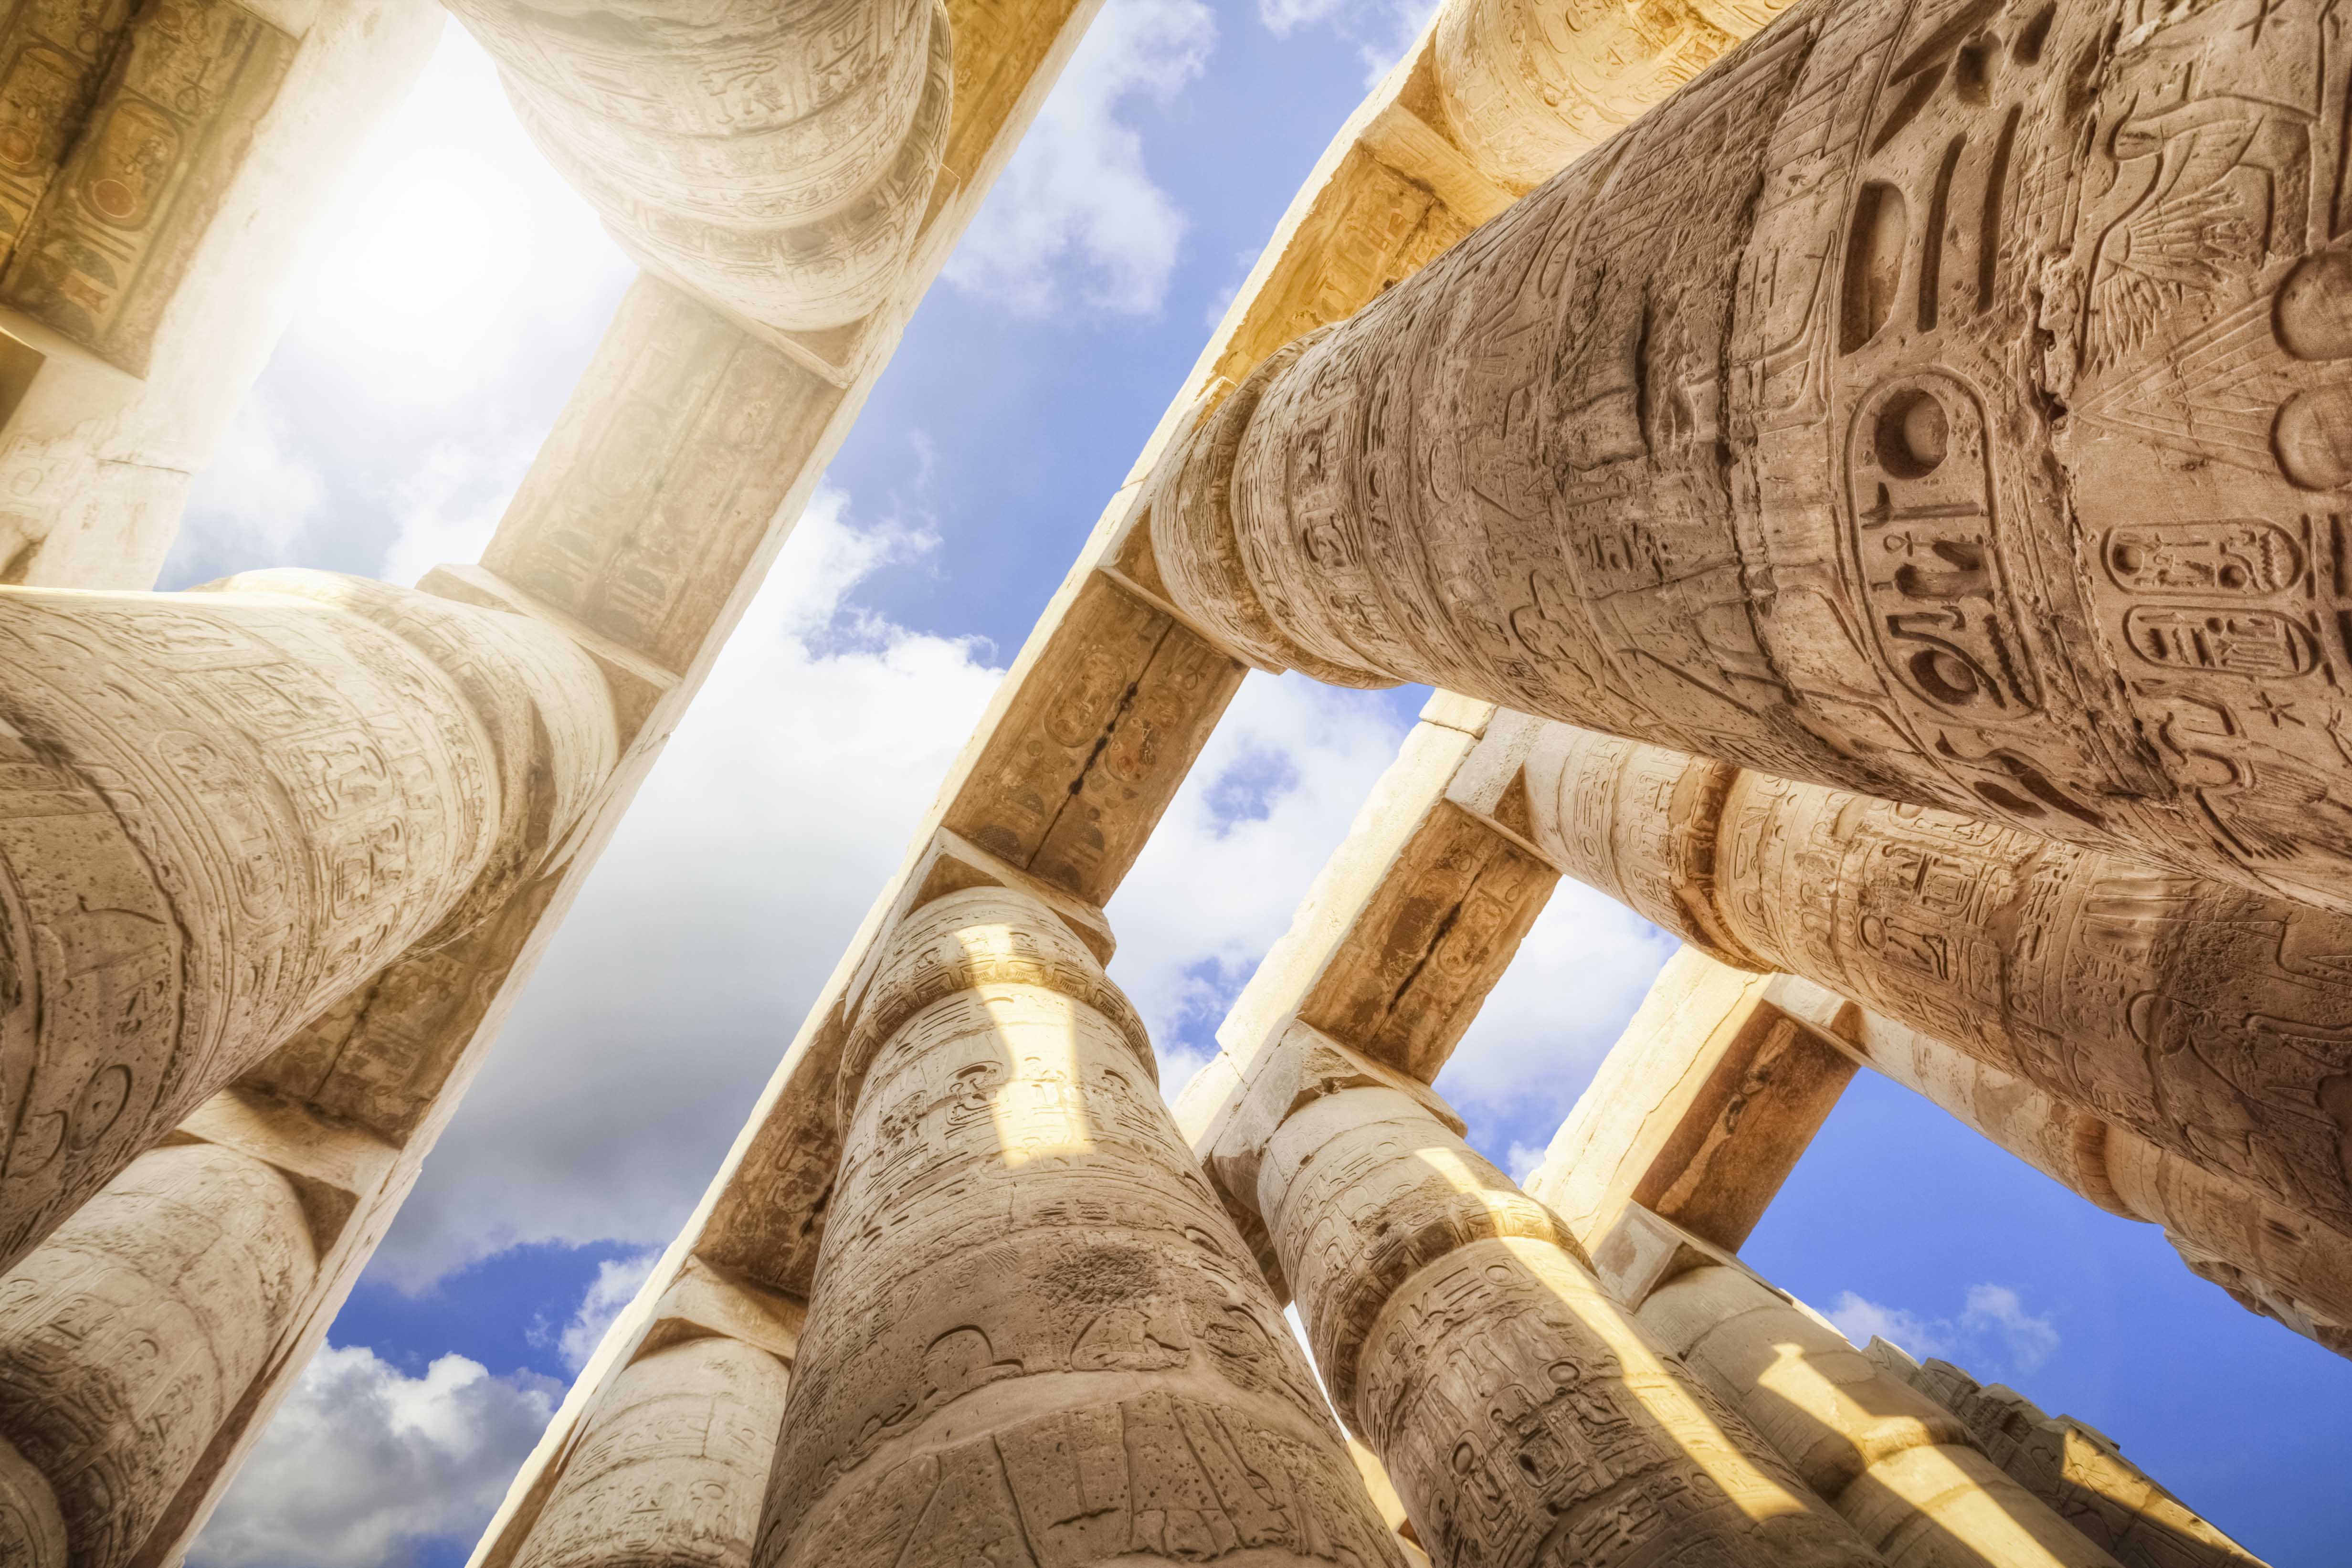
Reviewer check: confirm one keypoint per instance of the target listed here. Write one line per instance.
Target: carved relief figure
(1782, 427)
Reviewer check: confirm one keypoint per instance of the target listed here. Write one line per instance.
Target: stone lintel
(1704, 1106)
(704, 1299)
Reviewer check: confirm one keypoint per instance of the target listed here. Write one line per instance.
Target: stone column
(1901, 1467)
(2077, 1470)
(221, 811)
(2211, 1022)
(671, 1468)
(777, 161)
(126, 1338)
(1527, 88)
(1855, 416)
(2272, 1259)
(1034, 1335)
(1519, 1414)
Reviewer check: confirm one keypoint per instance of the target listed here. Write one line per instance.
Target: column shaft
(2202, 1017)
(1838, 420)
(1035, 1337)
(774, 159)
(1901, 1467)
(219, 813)
(1521, 1417)
(126, 1338)
(671, 1470)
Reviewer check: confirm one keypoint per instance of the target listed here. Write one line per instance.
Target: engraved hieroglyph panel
(140, 165)
(775, 161)
(127, 1336)
(221, 811)
(672, 1467)
(1514, 1407)
(1945, 401)
(2212, 1020)
(1035, 1337)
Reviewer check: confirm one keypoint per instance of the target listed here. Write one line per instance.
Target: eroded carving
(221, 811)
(1779, 428)
(1035, 1337)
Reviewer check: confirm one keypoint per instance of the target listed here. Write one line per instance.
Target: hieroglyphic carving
(143, 165)
(1748, 434)
(1903, 1469)
(775, 161)
(1035, 1338)
(2077, 1470)
(672, 1468)
(2212, 1022)
(222, 811)
(1458, 1327)
(127, 1337)
(53, 54)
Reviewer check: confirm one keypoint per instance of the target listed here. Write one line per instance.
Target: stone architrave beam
(1033, 1336)
(2213, 1022)
(1903, 1470)
(2074, 1468)
(221, 811)
(1840, 419)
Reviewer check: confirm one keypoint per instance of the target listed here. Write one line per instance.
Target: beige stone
(1033, 1336)
(1700, 1110)
(672, 1470)
(2076, 1469)
(150, 221)
(2211, 1022)
(222, 811)
(128, 1334)
(776, 160)
(1742, 435)
(1519, 1414)
(1901, 1467)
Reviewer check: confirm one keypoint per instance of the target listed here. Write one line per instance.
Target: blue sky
(453, 298)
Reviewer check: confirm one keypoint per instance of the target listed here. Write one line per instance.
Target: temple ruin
(1866, 482)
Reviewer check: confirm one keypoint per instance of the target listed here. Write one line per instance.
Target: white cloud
(615, 1286)
(1282, 16)
(363, 1462)
(1522, 1161)
(1992, 1336)
(260, 492)
(1077, 217)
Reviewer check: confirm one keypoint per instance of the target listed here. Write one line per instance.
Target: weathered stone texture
(1519, 1414)
(2077, 1470)
(221, 811)
(671, 1470)
(2214, 1023)
(775, 161)
(1903, 1469)
(126, 1338)
(1943, 401)
(1035, 1337)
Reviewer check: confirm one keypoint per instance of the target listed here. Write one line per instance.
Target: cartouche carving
(221, 811)
(1035, 1337)
(128, 1335)
(1948, 402)
(672, 1465)
(1519, 1414)
(777, 161)
(2212, 1022)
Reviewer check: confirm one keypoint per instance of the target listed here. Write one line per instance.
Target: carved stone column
(1901, 1467)
(221, 811)
(673, 1466)
(2213, 1022)
(1526, 88)
(2078, 1471)
(1034, 1335)
(775, 160)
(1517, 1411)
(125, 1339)
(2272, 1259)
(1951, 404)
